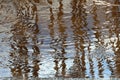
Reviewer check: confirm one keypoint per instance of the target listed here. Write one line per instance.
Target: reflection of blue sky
(95, 68)
(4, 57)
(5, 72)
(106, 72)
(47, 67)
(87, 65)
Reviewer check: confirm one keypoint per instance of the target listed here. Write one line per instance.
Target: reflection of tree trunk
(51, 25)
(19, 52)
(117, 63)
(76, 71)
(58, 43)
(35, 60)
(23, 30)
(62, 31)
(79, 22)
(115, 14)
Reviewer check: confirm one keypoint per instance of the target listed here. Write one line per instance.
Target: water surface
(59, 38)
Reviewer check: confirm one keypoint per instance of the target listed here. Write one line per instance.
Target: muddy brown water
(60, 38)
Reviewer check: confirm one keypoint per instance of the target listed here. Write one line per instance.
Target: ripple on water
(59, 38)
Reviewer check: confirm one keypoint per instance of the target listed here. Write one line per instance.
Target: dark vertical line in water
(60, 13)
(63, 64)
(100, 68)
(62, 36)
(91, 67)
(79, 24)
(56, 61)
(54, 42)
(75, 70)
(36, 60)
(51, 24)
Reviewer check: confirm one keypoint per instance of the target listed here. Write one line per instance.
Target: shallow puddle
(59, 38)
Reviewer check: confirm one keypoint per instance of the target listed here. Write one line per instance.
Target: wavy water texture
(59, 38)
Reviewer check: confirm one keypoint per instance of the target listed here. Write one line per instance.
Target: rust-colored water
(60, 38)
